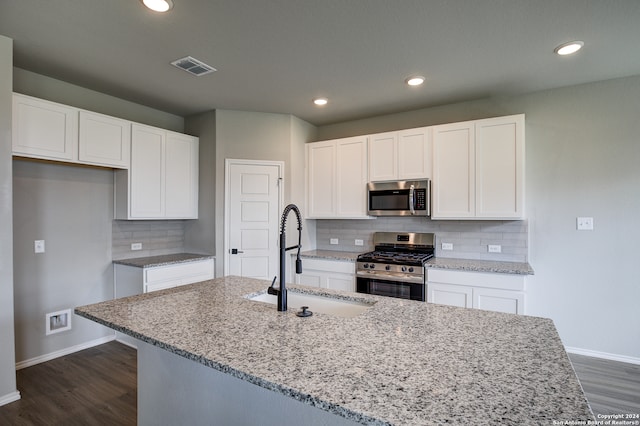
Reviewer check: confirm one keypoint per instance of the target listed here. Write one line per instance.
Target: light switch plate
(584, 223)
(38, 246)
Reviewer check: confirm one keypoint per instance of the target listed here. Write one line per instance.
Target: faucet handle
(304, 312)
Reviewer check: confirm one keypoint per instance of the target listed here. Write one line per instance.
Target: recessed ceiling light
(415, 80)
(158, 5)
(569, 48)
(321, 101)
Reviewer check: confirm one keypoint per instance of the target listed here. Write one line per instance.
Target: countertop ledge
(471, 265)
(516, 268)
(436, 364)
(162, 260)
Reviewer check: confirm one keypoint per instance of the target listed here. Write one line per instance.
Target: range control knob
(365, 266)
(403, 269)
(372, 266)
(411, 269)
(387, 267)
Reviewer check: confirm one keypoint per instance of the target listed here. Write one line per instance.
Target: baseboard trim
(603, 355)
(57, 354)
(9, 398)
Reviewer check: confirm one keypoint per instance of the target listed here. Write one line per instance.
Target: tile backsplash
(470, 238)
(156, 236)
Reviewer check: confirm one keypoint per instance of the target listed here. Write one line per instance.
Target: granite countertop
(399, 363)
(162, 260)
(330, 255)
(521, 268)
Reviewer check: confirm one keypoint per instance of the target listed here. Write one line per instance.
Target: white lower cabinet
(331, 274)
(481, 290)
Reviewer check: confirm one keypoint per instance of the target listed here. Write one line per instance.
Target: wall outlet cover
(359, 242)
(494, 248)
(333, 241)
(136, 246)
(447, 246)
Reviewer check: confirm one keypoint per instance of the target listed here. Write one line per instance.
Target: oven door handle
(390, 277)
(411, 194)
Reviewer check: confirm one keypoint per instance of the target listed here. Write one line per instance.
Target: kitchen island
(400, 362)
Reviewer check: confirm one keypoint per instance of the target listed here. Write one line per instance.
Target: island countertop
(399, 363)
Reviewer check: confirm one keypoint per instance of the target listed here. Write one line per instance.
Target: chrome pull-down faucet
(282, 291)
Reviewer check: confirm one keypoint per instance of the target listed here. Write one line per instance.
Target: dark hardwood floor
(98, 386)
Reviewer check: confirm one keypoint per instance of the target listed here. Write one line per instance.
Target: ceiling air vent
(193, 66)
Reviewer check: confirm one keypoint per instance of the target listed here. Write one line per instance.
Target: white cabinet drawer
(477, 279)
(329, 265)
(183, 273)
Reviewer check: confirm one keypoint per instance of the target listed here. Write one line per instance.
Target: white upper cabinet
(181, 171)
(104, 141)
(403, 155)
(500, 167)
(452, 189)
(383, 157)
(162, 182)
(337, 178)
(478, 169)
(43, 129)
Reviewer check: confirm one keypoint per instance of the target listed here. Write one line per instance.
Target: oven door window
(397, 289)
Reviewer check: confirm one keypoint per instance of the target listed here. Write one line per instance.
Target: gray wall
(583, 152)
(7, 350)
(71, 208)
(258, 136)
(200, 234)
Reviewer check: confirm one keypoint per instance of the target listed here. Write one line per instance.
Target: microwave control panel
(421, 199)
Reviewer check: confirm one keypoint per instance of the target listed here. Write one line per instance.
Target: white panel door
(253, 219)
(321, 164)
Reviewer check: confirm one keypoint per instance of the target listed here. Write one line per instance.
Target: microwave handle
(411, 193)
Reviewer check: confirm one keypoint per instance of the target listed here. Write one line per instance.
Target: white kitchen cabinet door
(453, 186)
(104, 141)
(383, 157)
(147, 172)
(500, 168)
(414, 154)
(321, 180)
(337, 179)
(332, 274)
(489, 299)
(43, 129)
(351, 177)
(181, 176)
(452, 295)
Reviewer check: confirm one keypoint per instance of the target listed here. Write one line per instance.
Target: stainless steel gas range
(396, 267)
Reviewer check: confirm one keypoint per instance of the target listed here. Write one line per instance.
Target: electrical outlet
(494, 248)
(136, 246)
(359, 242)
(333, 241)
(38, 246)
(584, 224)
(447, 246)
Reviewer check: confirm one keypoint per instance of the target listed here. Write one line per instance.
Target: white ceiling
(276, 55)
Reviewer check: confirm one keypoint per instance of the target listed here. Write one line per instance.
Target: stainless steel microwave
(399, 198)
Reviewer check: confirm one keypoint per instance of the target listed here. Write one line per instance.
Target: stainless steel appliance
(396, 267)
(399, 198)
